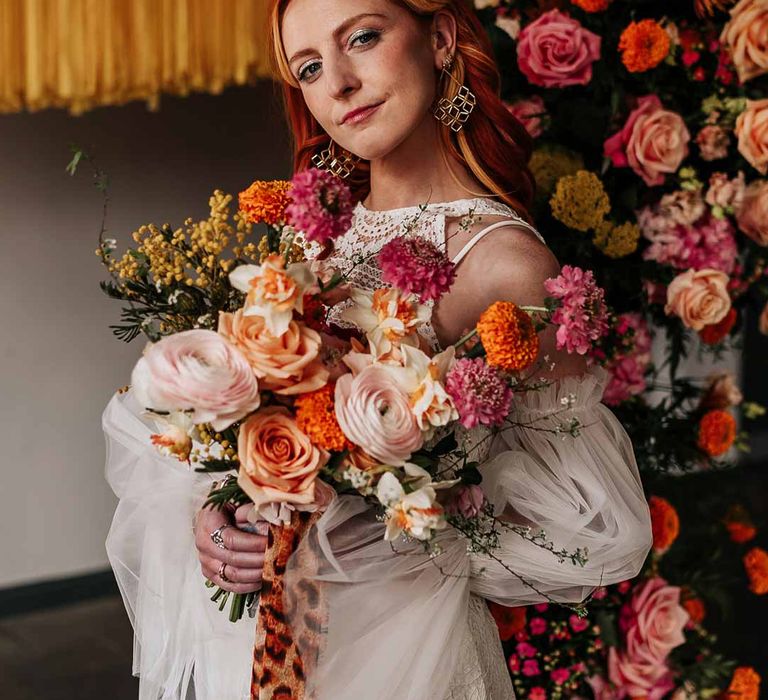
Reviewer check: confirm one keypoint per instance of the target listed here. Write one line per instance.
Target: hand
(243, 553)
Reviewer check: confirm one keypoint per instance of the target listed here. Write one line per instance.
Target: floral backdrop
(651, 127)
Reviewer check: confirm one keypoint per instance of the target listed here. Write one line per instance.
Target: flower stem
(465, 338)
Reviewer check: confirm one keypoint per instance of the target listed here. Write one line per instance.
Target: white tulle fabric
(400, 625)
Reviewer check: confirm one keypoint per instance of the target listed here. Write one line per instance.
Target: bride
(400, 98)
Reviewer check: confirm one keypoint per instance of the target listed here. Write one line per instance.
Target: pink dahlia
(321, 205)
(581, 315)
(416, 266)
(479, 392)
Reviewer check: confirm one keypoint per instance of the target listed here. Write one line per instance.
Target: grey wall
(59, 362)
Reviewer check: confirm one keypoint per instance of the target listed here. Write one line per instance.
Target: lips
(358, 111)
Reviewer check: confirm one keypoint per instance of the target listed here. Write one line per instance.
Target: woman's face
(350, 54)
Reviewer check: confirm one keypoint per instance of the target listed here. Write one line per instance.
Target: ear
(443, 36)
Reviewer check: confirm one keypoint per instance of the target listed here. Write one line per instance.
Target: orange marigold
(643, 45)
(756, 564)
(316, 418)
(265, 200)
(695, 609)
(508, 336)
(715, 332)
(664, 523)
(745, 684)
(717, 431)
(592, 5)
(739, 526)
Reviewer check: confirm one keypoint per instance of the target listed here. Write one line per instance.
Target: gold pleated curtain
(80, 54)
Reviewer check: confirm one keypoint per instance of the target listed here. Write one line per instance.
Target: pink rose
(713, 142)
(469, 501)
(654, 141)
(752, 216)
(752, 132)
(196, 370)
(530, 112)
(724, 193)
(556, 51)
(745, 35)
(637, 673)
(699, 297)
(375, 414)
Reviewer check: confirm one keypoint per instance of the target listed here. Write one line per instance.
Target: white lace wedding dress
(401, 626)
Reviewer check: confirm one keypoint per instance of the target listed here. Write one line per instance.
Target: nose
(341, 78)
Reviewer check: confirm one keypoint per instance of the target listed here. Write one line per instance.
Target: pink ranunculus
(531, 112)
(196, 370)
(699, 298)
(752, 216)
(556, 51)
(752, 132)
(712, 141)
(653, 141)
(375, 414)
(636, 673)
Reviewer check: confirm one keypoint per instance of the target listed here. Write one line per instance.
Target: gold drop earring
(339, 165)
(454, 112)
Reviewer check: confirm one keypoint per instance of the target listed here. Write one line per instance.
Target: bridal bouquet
(247, 375)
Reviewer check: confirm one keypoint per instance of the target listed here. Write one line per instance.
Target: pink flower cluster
(416, 266)
(321, 205)
(581, 315)
(532, 113)
(627, 368)
(684, 234)
(479, 392)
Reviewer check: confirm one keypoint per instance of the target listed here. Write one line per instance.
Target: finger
(235, 575)
(260, 527)
(238, 541)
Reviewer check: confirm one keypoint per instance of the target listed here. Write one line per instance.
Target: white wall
(59, 361)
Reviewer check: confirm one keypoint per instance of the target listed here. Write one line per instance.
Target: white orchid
(178, 429)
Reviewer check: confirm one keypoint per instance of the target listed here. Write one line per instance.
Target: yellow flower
(580, 201)
(616, 241)
(549, 163)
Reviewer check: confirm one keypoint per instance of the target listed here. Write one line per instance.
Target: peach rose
(653, 142)
(288, 364)
(746, 35)
(752, 216)
(699, 297)
(196, 371)
(724, 193)
(752, 132)
(278, 463)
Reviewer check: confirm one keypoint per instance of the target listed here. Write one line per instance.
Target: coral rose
(196, 370)
(752, 132)
(556, 51)
(698, 297)
(752, 216)
(278, 463)
(375, 413)
(746, 35)
(653, 142)
(287, 364)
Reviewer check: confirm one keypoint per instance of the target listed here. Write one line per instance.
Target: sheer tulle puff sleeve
(179, 632)
(583, 491)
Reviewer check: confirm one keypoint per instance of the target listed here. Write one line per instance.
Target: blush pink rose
(375, 413)
(638, 674)
(746, 35)
(556, 51)
(278, 462)
(196, 370)
(653, 142)
(752, 132)
(699, 297)
(531, 112)
(752, 216)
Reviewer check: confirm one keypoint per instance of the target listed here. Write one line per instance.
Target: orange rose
(699, 297)
(278, 463)
(752, 215)
(287, 364)
(752, 132)
(746, 35)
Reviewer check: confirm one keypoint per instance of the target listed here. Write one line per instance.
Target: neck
(415, 172)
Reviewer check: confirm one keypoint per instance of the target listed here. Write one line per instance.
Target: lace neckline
(455, 207)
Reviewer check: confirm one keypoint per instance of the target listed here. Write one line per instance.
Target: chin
(378, 144)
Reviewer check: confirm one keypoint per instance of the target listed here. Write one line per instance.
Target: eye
(368, 34)
(365, 37)
(305, 72)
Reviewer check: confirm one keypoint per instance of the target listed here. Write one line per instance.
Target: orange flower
(745, 684)
(664, 523)
(738, 524)
(265, 200)
(592, 5)
(715, 332)
(717, 431)
(508, 336)
(756, 564)
(315, 417)
(510, 621)
(695, 609)
(644, 45)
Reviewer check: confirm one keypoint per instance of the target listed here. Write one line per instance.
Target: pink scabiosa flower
(581, 315)
(479, 392)
(321, 205)
(416, 266)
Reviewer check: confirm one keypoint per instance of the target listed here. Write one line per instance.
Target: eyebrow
(341, 28)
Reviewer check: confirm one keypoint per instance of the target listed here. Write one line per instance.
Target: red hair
(493, 145)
